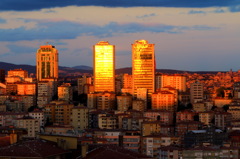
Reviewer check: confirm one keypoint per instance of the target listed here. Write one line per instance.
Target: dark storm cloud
(70, 30)
(23, 5)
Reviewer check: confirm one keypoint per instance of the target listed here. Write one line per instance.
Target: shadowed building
(2, 75)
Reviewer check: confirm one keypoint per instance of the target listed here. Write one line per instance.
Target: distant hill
(32, 69)
(9, 66)
(86, 69)
(82, 67)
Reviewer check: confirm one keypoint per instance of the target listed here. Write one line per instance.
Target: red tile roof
(113, 152)
(32, 148)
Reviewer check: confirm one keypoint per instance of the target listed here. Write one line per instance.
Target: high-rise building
(196, 92)
(47, 62)
(143, 67)
(104, 67)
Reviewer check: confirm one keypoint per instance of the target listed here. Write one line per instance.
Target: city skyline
(194, 36)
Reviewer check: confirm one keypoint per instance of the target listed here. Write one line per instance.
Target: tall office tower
(104, 67)
(143, 67)
(47, 62)
(196, 92)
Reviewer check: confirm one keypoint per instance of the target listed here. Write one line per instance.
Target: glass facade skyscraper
(104, 67)
(143, 67)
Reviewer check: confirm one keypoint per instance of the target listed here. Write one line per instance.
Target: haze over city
(188, 35)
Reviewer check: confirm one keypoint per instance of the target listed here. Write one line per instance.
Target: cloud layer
(70, 30)
(23, 5)
(188, 34)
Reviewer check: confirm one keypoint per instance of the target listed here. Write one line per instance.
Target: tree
(220, 92)
(180, 107)
(213, 107)
(196, 117)
(225, 107)
(189, 106)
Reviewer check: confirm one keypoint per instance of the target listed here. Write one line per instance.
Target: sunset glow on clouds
(195, 36)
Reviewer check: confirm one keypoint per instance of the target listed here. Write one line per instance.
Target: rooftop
(32, 148)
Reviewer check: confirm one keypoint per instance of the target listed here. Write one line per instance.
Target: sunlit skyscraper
(104, 67)
(143, 67)
(47, 62)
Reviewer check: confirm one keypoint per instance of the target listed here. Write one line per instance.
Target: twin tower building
(143, 66)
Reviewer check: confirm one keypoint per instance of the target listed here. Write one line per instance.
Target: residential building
(106, 101)
(18, 73)
(7, 118)
(152, 143)
(39, 115)
(206, 117)
(164, 116)
(26, 88)
(165, 99)
(175, 81)
(32, 125)
(196, 92)
(79, 118)
(185, 115)
(58, 112)
(65, 92)
(124, 102)
(139, 105)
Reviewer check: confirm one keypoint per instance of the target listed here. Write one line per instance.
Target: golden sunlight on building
(18, 73)
(165, 99)
(47, 62)
(176, 81)
(143, 67)
(104, 67)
